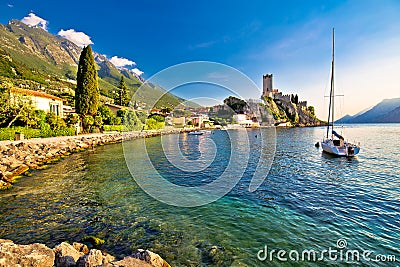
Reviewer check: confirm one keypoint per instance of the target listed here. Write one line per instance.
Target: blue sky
(291, 39)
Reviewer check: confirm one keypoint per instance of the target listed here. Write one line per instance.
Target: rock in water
(81, 247)
(66, 255)
(131, 262)
(151, 258)
(94, 258)
(34, 255)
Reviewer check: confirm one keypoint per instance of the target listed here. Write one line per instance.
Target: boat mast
(331, 96)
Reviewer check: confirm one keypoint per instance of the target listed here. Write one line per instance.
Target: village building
(41, 100)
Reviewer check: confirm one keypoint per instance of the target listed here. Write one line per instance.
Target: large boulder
(94, 258)
(20, 170)
(80, 247)
(66, 255)
(34, 255)
(150, 257)
(131, 262)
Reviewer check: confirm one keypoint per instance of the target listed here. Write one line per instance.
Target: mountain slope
(48, 60)
(387, 111)
(392, 117)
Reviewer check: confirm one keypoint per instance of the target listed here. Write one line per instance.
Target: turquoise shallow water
(308, 201)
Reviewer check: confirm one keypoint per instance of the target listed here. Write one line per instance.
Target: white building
(41, 100)
(243, 121)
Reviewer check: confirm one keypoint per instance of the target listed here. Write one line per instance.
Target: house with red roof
(41, 100)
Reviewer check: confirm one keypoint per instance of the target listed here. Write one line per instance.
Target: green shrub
(9, 133)
(88, 121)
(43, 132)
(153, 124)
(95, 241)
(107, 115)
(98, 121)
(72, 119)
(55, 122)
(130, 119)
(311, 109)
(118, 128)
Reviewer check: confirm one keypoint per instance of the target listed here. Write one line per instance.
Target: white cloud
(137, 71)
(78, 38)
(33, 20)
(121, 62)
(10, 5)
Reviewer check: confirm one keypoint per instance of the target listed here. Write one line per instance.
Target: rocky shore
(17, 157)
(75, 255)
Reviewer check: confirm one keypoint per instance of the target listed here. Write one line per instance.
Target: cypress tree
(122, 97)
(87, 94)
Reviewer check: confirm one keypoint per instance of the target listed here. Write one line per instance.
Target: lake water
(308, 201)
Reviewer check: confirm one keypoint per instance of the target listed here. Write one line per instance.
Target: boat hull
(195, 133)
(347, 150)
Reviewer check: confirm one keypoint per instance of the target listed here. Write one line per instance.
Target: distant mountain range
(36, 59)
(387, 111)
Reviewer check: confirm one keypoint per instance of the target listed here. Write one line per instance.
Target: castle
(268, 91)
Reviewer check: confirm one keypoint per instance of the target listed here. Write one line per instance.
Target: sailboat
(334, 143)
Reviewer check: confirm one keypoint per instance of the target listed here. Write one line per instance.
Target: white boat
(334, 143)
(195, 133)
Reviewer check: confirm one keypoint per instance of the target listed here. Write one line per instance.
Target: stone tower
(267, 85)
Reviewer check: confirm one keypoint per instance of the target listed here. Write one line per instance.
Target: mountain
(33, 58)
(346, 119)
(387, 111)
(392, 117)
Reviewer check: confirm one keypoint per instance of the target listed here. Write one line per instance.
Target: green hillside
(38, 60)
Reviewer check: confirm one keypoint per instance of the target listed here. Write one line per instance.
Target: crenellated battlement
(302, 104)
(268, 91)
(282, 97)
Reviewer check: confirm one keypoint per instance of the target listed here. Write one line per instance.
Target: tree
(87, 94)
(56, 122)
(98, 121)
(236, 104)
(88, 121)
(296, 99)
(72, 119)
(14, 107)
(311, 109)
(122, 97)
(131, 119)
(107, 116)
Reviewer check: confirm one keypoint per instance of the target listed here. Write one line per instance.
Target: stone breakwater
(17, 157)
(75, 255)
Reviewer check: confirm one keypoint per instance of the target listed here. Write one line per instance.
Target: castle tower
(267, 85)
